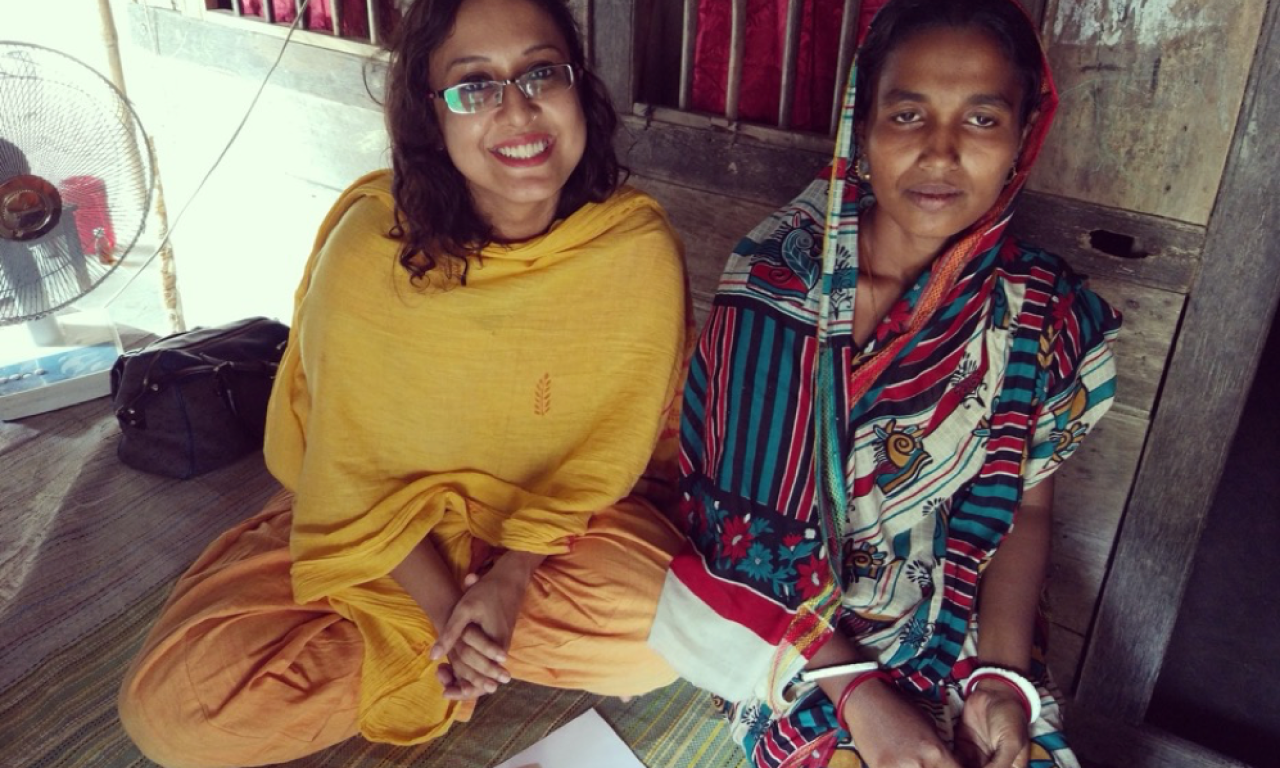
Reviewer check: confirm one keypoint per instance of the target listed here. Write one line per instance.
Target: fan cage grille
(66, 123)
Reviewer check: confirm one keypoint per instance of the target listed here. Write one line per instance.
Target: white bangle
(822, 673)
(1024, 686)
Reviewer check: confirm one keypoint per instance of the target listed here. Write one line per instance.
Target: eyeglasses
(483, 95)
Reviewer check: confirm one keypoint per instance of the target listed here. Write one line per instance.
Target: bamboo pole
(168, 271)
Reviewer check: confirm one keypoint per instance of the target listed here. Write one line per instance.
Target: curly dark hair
(1003, 20)
(435, 218)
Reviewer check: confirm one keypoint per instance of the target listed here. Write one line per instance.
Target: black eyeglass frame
(452, 95)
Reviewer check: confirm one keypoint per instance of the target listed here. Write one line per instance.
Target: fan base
(40, 378)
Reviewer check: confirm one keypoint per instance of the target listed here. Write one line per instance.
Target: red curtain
(766, 25)
(319, 14)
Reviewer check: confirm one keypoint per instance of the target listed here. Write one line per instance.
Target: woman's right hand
(891, 733)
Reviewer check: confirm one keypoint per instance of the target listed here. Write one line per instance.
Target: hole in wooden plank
(1116, 244)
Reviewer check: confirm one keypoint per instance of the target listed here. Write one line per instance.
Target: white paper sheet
(587, 741)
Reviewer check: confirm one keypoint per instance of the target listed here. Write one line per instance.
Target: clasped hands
(477, 634)
(891, 733)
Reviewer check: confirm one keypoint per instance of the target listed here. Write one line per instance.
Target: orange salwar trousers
(235, 673)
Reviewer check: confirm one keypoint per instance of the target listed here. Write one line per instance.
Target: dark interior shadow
(1221, 671)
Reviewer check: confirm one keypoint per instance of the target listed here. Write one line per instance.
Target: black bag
(196, 401)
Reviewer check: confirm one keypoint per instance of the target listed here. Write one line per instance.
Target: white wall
(241, 245)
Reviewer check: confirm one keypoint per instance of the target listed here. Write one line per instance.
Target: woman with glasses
(472, 423)
(885, 387)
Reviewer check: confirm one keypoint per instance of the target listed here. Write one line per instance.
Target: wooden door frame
(1226, 323)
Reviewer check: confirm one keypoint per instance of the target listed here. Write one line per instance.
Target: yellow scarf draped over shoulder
(524, 400)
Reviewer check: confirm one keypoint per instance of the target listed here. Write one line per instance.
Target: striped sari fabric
(861, 489)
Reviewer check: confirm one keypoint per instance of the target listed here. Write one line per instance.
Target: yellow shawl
(526, 399)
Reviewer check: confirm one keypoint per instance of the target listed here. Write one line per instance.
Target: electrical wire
(297, 19)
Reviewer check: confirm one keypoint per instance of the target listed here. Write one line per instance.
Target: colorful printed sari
(831, 488)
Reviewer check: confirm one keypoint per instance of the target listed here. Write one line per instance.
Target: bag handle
(227, 393)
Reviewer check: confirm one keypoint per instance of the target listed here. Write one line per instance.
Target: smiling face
(517, 157)
(942, 135)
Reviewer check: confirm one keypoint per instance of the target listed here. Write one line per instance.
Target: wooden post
(168, 271)
(848, 42)
(688, 41)
(737, 51)
(790, 50)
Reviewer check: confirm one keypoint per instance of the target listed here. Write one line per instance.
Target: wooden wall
(1150, 94)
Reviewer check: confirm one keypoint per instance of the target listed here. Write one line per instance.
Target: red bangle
(1022, 697)
(875, 674)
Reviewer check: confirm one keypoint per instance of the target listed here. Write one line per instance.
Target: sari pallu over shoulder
(862, 490)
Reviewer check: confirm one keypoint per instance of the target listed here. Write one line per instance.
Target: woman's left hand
(993, 731)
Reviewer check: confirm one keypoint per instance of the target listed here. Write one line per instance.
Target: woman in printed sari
(468, 424)
(884, 388)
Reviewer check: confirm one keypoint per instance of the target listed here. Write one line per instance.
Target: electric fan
(75, 188)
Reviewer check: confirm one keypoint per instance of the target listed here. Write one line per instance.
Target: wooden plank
(1151, 318)
(1164, 253)
(1226, 324)
(742, 168)
(1105, 743)
(759, 168)
(613, 49)
(650, 115)
(1150, 91)
(1089, 498)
